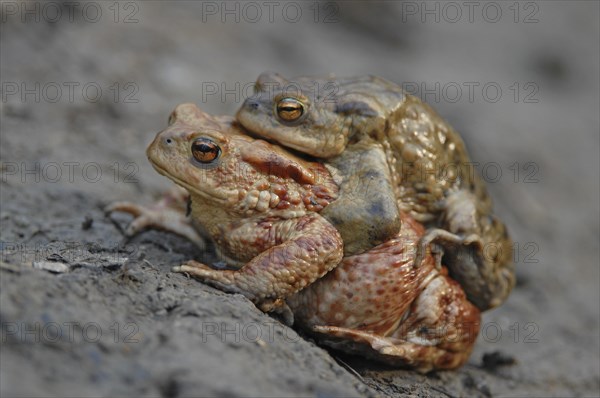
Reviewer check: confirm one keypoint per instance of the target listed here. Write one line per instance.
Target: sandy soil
(84, 89)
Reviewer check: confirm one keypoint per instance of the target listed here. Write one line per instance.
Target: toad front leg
(168, 214)
(366, 212)
(299, 252)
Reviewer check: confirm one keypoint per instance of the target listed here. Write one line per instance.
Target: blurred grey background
(86, 85)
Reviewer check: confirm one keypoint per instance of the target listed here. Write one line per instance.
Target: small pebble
(51, 266)
(492, 360)
(87, 223)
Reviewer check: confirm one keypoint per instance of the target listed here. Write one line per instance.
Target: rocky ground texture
(85, 312)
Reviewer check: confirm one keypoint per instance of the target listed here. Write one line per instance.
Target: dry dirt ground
(86, 85)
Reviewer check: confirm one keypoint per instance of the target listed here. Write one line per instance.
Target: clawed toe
(389, 350)
(473, 239)
(141, 216)
(422, 246)
(138, 224)
(223, 280)
(125, 207)
(191, 266)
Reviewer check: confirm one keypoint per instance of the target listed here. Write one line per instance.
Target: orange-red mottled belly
(372, 291)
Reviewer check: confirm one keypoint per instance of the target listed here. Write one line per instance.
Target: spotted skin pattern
(423, 168)
(261, 205)
(379, 305)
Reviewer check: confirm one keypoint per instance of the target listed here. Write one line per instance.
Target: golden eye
(290, 109)
(205, 151)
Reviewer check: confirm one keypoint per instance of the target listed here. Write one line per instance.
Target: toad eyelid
(293, 95)
(210, 135)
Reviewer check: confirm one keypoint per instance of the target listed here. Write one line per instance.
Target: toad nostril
(252, 104)
(168, 141)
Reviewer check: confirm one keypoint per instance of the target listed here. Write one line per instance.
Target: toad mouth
(208, 195)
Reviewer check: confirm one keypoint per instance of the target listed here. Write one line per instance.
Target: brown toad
(425, 160)
(260, 205)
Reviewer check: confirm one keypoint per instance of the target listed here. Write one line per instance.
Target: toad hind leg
(484, 269)
(394, 351)
(477, 251)
(438, 332)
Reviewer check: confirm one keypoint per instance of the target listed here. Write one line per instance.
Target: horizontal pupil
(205, 148)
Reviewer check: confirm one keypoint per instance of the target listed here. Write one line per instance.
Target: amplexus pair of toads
(351, 211)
